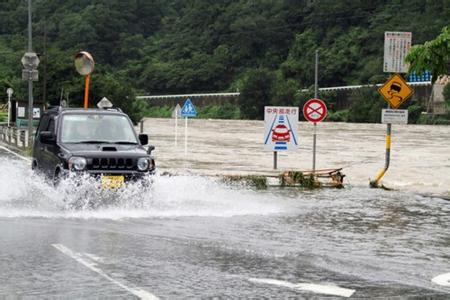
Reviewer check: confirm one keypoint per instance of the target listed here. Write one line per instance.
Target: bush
(414, 113)
(338, 116)
(447, 94)
(429, 119)
(225, 111)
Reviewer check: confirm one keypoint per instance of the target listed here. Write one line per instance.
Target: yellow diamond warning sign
(396, 91)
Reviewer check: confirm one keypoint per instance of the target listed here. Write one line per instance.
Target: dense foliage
(433, 55)
(263, 48)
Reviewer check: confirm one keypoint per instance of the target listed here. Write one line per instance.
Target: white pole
(9, 107)
(185, 135)
(176, 128)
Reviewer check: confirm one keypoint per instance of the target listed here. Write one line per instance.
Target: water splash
(26, 194)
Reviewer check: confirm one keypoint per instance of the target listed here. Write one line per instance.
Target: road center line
(310, 287)
(93, 267)
(443, 279)
(14, 153)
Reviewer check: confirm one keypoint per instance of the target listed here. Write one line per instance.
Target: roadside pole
(176, 130)
(9, 91)
(387, 158)
(185, 135)
(316, 88)
(175, 114)
(30, 83)
(84, 64)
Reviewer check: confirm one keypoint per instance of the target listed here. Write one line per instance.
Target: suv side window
(43, 124)
(51, 125)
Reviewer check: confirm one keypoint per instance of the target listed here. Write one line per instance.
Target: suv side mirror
(150, 149)
(47, 137)
(143, 138)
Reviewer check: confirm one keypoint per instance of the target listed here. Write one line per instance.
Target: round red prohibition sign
(315, 110)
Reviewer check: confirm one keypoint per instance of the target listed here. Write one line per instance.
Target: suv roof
(60, 109)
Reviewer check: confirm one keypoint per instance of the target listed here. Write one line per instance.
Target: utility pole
(30, 61)
(316, 89)
(30, 82)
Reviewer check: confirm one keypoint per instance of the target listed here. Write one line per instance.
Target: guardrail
(14, 136)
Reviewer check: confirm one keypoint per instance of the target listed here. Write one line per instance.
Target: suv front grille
(111, 164)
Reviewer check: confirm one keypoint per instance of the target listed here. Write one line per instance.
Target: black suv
(99, 142)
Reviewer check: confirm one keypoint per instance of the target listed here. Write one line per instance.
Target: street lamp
(9, 91)
(84, 63)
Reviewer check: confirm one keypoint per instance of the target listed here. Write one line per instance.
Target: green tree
(433, 55)
(256, 93)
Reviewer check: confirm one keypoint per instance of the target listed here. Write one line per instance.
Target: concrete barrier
(17, 137)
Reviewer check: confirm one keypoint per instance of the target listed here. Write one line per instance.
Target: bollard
(141, 127)
(375, 183)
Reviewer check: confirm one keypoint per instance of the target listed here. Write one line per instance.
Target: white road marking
(310, 287)
(93, 267)
(16, 154)
(443, 279)
(94, 257)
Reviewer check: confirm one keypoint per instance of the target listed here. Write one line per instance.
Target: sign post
(314, 110)
(84, 64)
(9, 91)
(280, 132)
(175, 114)
(187, 111)
(395, 91)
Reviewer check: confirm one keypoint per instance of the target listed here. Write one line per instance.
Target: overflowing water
(27, 194)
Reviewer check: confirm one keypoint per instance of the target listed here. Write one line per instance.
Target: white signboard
(176, 112)
(36, 113)
(396, 47)
(394, 116)
(21, 112)
(281, 124)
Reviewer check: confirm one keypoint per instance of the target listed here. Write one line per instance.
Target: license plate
(112, 182)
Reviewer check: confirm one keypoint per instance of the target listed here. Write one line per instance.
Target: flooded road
(194, 236)
(420, 154)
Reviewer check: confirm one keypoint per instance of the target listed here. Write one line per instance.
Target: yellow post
(375, 183)
(86, 91)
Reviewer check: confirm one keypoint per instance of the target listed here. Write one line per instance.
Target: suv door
(37, 149)
(49, 157)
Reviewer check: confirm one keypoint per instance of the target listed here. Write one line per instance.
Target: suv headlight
(143, 164)
(77, 163)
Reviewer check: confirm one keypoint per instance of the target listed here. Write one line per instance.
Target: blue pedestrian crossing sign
(188, 110)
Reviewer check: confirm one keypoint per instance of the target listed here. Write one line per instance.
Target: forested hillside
(183, 46)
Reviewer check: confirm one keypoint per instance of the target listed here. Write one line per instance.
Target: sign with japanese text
(281, 124)
(394, 116)
(396, 47)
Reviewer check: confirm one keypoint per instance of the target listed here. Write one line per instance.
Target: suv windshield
(97, 128)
